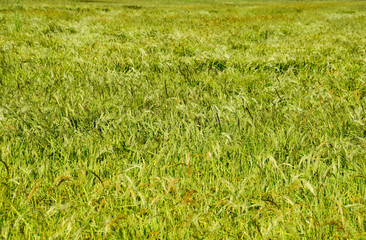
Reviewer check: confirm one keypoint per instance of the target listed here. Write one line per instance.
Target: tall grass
(187, 120)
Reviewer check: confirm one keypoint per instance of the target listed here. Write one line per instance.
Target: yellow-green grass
(182, 119)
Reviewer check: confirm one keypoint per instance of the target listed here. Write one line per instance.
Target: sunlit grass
(182, 120)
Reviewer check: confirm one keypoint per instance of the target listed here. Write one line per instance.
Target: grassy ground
(238, 120)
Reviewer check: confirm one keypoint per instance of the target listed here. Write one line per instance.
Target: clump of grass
(18, 22)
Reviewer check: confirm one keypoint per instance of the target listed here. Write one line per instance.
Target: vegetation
(192, 119)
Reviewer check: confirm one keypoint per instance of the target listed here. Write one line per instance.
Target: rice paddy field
(188, 119)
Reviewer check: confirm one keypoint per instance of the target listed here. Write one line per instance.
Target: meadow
(182, 119)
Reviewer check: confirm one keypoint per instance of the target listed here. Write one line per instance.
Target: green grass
(182, 120)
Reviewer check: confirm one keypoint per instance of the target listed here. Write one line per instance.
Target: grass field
(182, 119)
